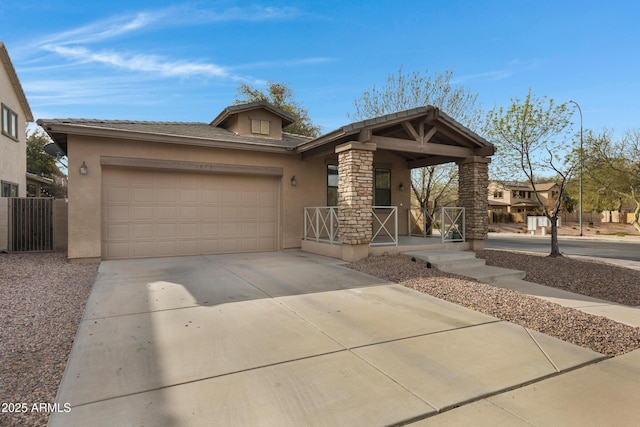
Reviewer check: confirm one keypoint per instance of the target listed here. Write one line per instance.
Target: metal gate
(30, 224)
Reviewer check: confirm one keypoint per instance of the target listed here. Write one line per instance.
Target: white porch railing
(420, 222)
(321, 224)
(452, 220)
(385, 226)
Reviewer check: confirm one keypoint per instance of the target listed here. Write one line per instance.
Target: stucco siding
(13, 158)
(4, 223)
(85, 190)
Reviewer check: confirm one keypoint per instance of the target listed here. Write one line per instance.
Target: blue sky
(182, 61)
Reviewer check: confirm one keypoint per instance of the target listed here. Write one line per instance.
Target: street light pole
(581, 164)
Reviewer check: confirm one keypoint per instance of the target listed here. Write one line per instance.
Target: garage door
(154, 214)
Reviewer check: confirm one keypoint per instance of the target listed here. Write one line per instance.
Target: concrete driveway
(287, 339)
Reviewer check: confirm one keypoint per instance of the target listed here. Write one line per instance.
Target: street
(569, 246)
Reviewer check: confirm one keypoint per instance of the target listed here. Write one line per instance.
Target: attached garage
(151, 213)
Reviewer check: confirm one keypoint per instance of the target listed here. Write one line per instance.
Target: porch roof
(423, 136)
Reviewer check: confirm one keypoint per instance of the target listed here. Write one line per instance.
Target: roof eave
(69, 129)
(15, 82)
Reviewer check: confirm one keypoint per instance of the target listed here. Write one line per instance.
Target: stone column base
(476, 244)
(352, 253)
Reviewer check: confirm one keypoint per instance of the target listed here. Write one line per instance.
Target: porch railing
(321, 225)
(385, 226)
(452, 220)
(420, 223)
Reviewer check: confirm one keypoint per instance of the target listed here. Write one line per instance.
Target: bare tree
(614, 166)
(403, 91)
(530, 137)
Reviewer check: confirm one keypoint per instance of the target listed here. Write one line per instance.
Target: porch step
(447, 259)
(465, 263)
(487, 273)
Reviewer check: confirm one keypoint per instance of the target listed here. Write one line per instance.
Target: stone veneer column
(355, 198)
(473, 183)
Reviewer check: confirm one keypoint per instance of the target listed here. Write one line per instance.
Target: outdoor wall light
(401, 187)
(83, 168)
(293, 181)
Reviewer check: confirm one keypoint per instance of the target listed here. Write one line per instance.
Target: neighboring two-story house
(14, 116)
(516, 197)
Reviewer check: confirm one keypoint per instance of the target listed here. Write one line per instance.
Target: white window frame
(9, 122)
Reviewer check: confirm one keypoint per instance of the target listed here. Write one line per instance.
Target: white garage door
(155, 214)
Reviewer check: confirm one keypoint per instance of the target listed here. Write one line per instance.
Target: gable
(11, 93)
(254, 119)
(423, 136)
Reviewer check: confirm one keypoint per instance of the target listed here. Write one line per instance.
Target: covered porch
(359, 225)
(321, 231)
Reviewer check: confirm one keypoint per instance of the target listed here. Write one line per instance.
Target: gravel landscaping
(592, 278)
(589, 331)
(42, 298)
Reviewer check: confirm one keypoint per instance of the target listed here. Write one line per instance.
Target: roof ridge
(122, 121)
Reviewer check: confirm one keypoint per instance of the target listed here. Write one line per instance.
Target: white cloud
(102, 30)
(487, 76)
(73, 65)
(284, 63)
(141, 62)
(180, 15)
(74, 44)
(250, 13)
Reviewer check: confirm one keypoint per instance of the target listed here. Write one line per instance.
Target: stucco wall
(60, 225)
(241, 123)
(4, 223)
(13, 161)
(85, 191)
(399, 175)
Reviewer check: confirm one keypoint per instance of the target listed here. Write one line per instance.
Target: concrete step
(465, 263)
(439, 256)
(448, 259)
(458, 264)
(487, 274)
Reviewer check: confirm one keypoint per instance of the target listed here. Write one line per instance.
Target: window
(332, 185)
(497, 194)
(9, 189)
(9, 122)
(260, 126)
(382, 184)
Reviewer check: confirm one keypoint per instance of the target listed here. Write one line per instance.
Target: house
(241, 184)
(516, 197)
(14, 115)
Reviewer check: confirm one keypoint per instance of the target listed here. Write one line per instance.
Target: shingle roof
(199, 133)
(131, 129)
